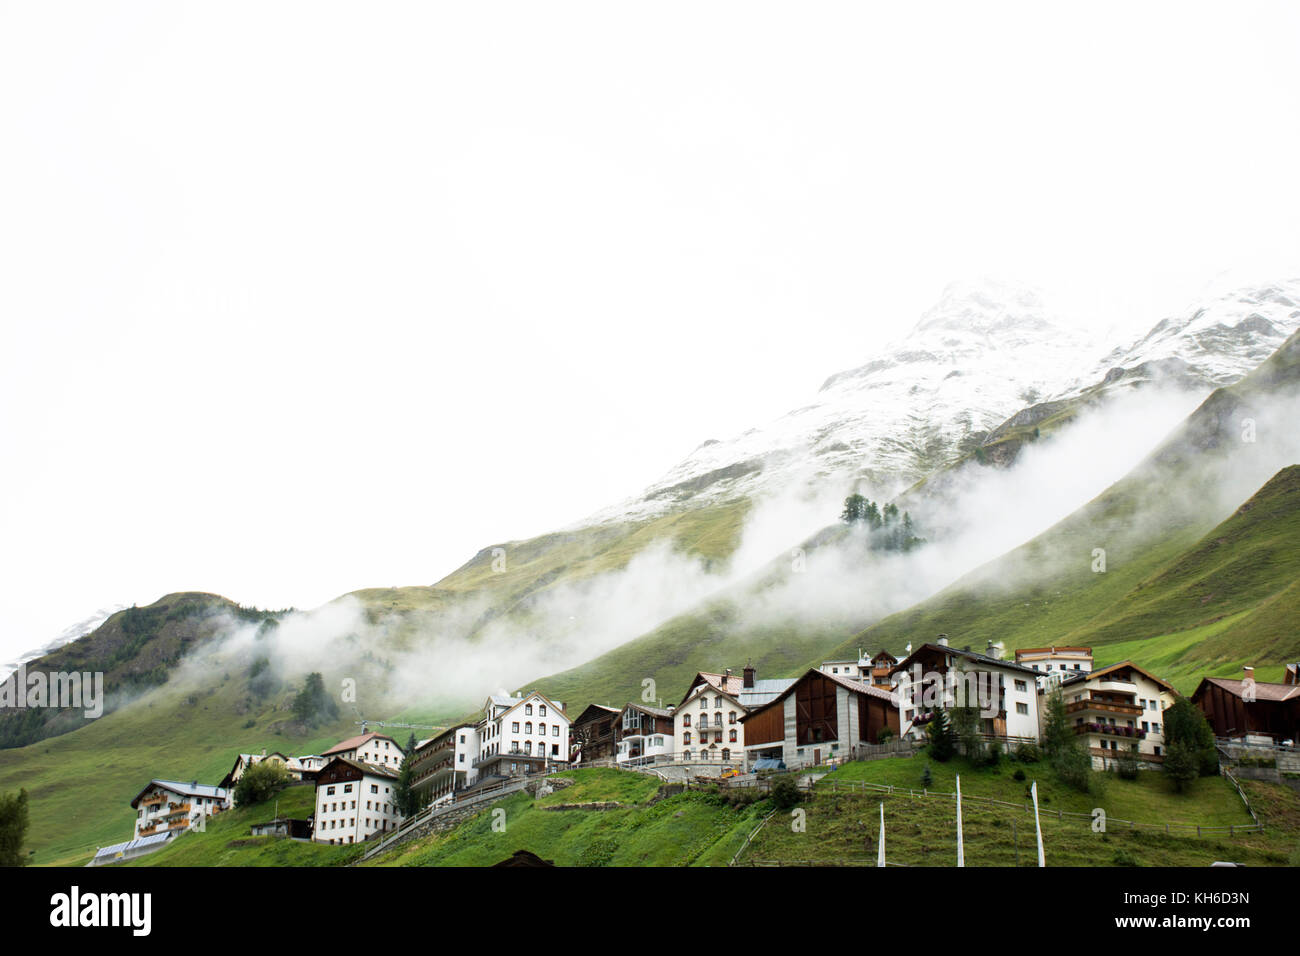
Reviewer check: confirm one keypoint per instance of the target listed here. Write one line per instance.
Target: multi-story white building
(1117, 708)
(1055, 664)
(372, 748)
(521, 735)
(354, 801)
(939, 675)
(170, 806)
(707, 723)
(444, 763)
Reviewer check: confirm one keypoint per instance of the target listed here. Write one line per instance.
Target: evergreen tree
(1186, 725)
(13, 828)
(405, 797)
(313, 704)
(1181, 765)
(943, 743)
(1058, 735)
(854, 509)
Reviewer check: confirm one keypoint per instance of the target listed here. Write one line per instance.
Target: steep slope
(986, 355)
(135, 649)
(1188, 581)
(1044, 591)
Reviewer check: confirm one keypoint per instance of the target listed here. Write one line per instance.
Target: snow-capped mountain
(66, 636)
(983, 353)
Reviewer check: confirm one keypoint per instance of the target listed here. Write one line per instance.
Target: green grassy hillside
(135, 649)
(1180, 564)
(842, 826)
(623, 823)
(226, 840)
(81, 783)
(690, 829)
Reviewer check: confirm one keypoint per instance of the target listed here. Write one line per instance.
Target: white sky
(302, 298)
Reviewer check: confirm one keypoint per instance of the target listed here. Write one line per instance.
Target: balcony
(1111, 730)
(1103, 706)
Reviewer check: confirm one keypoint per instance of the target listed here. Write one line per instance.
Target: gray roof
(764, 692)
(134, 844)
(187, 789)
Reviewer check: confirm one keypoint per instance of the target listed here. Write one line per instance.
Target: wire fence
(1062, 816)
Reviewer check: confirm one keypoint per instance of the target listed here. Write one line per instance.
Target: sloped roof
(370, 768)
(187, 789)
(969, 655)
(856, 687)
(731, 685)
(1275, 693)
(764, 691)
(352, 743)
(1094, 675)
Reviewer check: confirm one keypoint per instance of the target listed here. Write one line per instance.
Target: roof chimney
(1250, 672)
(749, 675)
(943, 640)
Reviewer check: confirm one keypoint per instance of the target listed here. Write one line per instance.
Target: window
(528, 727)
(329, 791)
(347, 788)
(1020, 685)
(1022, 708)
(541, 729)
(686, 737)
(731, 716)
(555, 730)
(686, 720)
(733, 736)
(541, 711)
(514, 727)
(528, 710)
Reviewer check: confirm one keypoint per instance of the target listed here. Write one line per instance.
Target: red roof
(352, 743)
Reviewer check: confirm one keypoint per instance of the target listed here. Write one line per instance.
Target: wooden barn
(594, 735)
(1273, 712)
(820, 717)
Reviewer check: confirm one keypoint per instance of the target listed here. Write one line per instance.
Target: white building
(372, 748)
(1116, 709)
(521, 735)
(444, 763)
(171, 806)
(939, 675)
(1055, 664)
(354, 801)
(707, 723)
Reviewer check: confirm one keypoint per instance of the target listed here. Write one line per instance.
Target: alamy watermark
(78, 690)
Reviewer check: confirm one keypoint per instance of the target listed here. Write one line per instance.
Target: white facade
(372, 748)
(521, 735)
(645, 733)
(938, 675)
(1056, 663)
(169, 806)
(1114, 709)
(707, 727)
(351, 810)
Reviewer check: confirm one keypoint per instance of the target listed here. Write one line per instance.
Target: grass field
(842, 826)
(690, 829)
(226, 841)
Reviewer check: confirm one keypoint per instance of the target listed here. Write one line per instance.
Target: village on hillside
(736, 728)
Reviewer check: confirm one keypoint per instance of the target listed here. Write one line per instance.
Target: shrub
(1028, 753)
(1124, 858)
(259, 781)
(785, 791)
(1018, 775)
